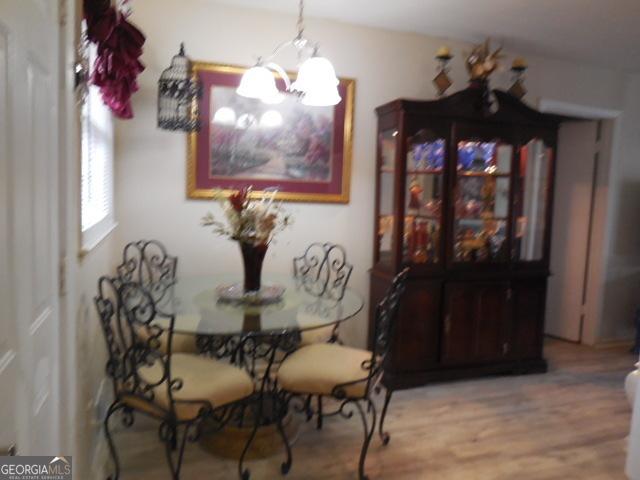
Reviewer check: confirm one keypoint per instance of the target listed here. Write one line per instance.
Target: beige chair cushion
(204, 379)
(316, 369)
(316, 335)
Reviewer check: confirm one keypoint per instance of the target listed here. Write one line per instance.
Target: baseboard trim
(602, 344)
(100, 460)
(100, 454)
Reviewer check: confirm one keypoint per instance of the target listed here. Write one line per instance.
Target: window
(97, 216)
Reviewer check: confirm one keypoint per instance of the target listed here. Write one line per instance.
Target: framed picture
(303, 151)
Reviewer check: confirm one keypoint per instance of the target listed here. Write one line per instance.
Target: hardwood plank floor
(570, 423)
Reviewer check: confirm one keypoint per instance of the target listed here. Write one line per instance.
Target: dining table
(256, 337)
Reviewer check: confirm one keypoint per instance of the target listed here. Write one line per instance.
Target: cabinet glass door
(481, 204)
(386, 217)
(423, 198)
(531, 208)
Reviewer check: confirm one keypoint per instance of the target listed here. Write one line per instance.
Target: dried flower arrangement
(249, 220)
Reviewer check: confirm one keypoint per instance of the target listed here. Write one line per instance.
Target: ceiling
(596, 32)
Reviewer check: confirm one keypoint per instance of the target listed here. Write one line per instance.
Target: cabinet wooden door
(417, 332)
(476, 322)
(528, 318)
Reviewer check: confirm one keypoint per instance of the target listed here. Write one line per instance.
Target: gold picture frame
(208, 74)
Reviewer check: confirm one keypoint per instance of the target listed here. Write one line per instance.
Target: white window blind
(97, 215)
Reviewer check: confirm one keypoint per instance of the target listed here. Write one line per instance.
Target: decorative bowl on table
(235, 293)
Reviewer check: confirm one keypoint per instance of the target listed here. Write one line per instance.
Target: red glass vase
(252, 257)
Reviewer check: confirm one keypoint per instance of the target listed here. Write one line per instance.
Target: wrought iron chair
(347, 374)
(148, 263)
(179, 390)
(323, 271)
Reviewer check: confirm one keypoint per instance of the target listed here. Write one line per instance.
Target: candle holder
(518, 67)
(442, 80)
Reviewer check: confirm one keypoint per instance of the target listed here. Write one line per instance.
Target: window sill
(92, 245)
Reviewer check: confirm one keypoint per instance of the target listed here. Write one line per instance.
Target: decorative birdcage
(178, 92)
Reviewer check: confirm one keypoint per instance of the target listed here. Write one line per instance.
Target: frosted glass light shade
(315, 73)
(258, 82)
(224, 116)
(322, 97)
(271, 119)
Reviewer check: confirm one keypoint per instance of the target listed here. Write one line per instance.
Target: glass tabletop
(198, 310)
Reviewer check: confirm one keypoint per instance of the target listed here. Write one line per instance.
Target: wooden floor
(568, 424)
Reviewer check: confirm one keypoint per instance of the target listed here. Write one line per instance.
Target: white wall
(622, 278)
(83, 348)
(150, 172)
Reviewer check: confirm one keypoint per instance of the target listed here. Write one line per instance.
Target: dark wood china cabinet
(464, 191)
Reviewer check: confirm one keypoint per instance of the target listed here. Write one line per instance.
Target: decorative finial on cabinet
(518, 67)
(442, 80)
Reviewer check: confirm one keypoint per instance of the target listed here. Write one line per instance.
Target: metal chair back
(148, 263)
(323, 270)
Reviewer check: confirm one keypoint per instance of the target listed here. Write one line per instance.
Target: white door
(29, 131)
(571, 229)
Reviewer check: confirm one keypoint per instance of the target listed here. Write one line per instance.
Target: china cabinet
(463, 197)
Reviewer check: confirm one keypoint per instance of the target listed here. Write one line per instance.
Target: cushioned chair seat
(316, 335)
(317, 369)
(204, 379)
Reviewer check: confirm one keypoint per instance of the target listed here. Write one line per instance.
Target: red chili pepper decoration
(117, 65)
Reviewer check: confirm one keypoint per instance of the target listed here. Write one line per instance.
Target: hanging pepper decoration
(119, 47)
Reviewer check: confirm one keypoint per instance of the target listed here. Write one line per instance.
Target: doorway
(578, 244)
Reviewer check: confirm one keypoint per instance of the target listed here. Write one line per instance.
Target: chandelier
(316, 83)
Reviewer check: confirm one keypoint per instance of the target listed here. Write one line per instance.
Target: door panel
(416, 339)
(8, 336)
(570, 231)
(528, 316)
(459, 323)
(28, 186)
(492, 317)
(476, 319)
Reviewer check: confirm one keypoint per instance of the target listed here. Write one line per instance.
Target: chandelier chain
(300, 18)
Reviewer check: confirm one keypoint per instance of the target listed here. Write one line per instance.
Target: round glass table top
(198, 309)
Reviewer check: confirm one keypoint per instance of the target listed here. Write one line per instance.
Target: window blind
(97, 215)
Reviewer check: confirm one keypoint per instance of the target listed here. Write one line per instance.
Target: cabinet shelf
(466, 173)
(468, 218)
(426, 217)
(428, 171)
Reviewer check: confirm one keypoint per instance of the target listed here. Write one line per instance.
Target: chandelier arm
(280, 71)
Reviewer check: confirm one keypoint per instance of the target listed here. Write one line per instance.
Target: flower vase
(252, 257)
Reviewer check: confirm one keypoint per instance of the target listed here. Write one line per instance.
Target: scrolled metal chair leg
(113, 408)
(245, 473)
(307, 408)
(368, 433)
(286, 465)
(319, 420)
(384, 436)
(169, 436)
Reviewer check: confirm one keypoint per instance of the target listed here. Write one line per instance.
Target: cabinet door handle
(447, 324)
(505, 348)
(509, 293)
